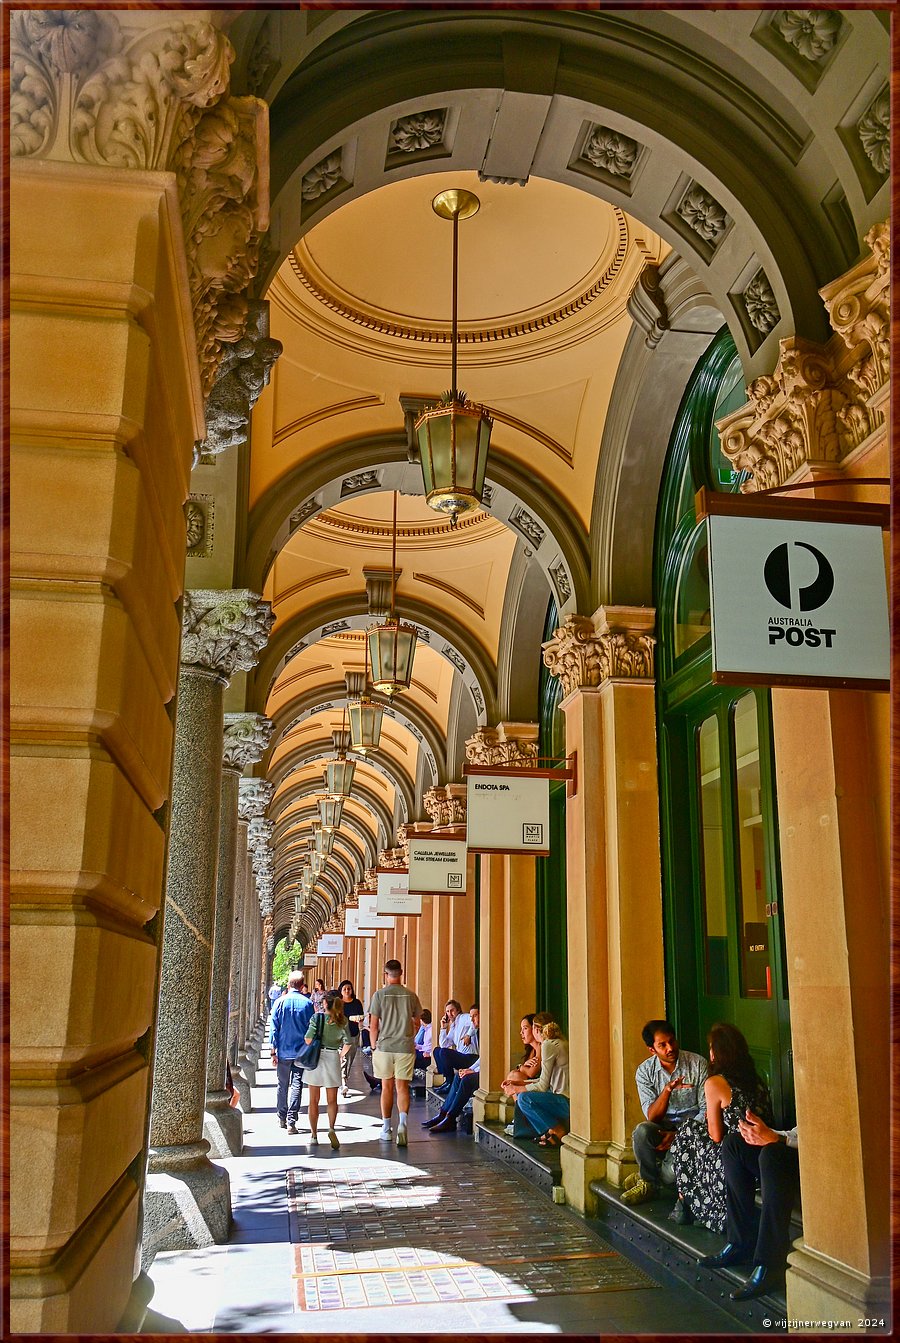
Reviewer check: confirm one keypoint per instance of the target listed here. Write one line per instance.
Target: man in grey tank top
(394, 1015)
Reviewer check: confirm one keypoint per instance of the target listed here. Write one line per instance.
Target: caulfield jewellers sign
(437, 866)
(798, 602)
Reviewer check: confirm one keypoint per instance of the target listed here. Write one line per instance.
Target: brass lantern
(391, 646)
(330, 809)
(365, 723)
(298, 903)
(455, 435)
(324, 841)
(339, 776)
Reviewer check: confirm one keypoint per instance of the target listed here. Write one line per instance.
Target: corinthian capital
(254, 796)
(246, 737)
(259, 833)
(616, 642)
(224, 632)
(436, 805)
(505, 744)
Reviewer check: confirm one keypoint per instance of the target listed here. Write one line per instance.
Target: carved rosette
(254, 796)
(506, 744)
(224, 631)
(246, 737)
(137, 91)
(616, 643)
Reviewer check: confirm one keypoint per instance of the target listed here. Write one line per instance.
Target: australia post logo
(801, 580)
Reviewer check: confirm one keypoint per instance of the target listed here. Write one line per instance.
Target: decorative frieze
(505, 744)
(244, 371)
(225, 631)
(821, 402)
(254, 797)
(616, 642)
(131, 90)
(246, 737)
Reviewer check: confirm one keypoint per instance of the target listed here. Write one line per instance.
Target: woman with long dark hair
(733, 1087)
(335, 1033)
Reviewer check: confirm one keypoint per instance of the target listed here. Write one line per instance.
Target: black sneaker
(282, 1123)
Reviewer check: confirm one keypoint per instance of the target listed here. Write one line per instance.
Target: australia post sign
(508, 813)
(797, 603)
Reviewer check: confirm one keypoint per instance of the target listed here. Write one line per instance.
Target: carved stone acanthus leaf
(244, 370)
(874, 130)
(703, 214)
(822, 401)
(506, 744)
(813, 32)
(420, 130)
(436, 806)
(761, 304)
(259, 833)
(614, 643)
(254, 796)
(224, 632)
(246, 737)
(612, 151)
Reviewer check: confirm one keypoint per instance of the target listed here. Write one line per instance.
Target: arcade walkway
(439, 1238)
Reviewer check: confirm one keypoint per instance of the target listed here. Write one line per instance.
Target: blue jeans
(460, 1093)
(290, 1083)
(446, 1061)
(538, 1111)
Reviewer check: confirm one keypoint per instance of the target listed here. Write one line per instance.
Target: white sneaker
(384, 1135)
(401, 1136)
(510, 1129)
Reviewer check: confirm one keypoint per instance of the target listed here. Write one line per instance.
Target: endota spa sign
(508, 813)
(798, 603)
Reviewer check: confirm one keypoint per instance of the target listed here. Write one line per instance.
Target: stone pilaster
(187, 1201)
(613, 885)
(246, 737)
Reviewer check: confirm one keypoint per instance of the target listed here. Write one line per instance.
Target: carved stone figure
(244, 370)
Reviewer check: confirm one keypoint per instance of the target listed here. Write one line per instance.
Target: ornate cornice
(821, 402)
(246, 737)
(505, 744)
(225, 631)
(136, 91)
(617, 642)
(254, 796)
(394, 326)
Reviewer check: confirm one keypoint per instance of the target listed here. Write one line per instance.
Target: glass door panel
(715, 909)
(752, 880)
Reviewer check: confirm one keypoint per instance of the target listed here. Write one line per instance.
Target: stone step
(539, 1165)
(646, 1231)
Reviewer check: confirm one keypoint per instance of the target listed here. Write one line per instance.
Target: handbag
(308, 1056)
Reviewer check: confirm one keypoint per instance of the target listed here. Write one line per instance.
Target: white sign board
(393, 895)
(368, 913)
(310, 961)
(508, 813)
(437, 866)
(802, 601)
(330, 944)
(351, 925)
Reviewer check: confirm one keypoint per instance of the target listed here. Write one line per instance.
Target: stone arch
(455, 644)
(642, 78)
(403, 710)
(364, 855)
(311, 751)
(359, 791)
(553, 536)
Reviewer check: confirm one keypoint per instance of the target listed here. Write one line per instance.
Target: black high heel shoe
(760, 1281)
(729, 1254)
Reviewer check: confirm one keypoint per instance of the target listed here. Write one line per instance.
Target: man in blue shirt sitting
(670, 1089)
(290, 1017)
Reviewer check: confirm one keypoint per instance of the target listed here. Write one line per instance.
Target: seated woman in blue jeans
(542, 1106)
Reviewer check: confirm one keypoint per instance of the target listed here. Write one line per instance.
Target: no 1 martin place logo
(801, 582)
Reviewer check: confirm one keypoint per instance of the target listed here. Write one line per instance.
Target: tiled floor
(466, 1209)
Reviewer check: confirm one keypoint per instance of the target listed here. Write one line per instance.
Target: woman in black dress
(354, 1012)
(732, 1087)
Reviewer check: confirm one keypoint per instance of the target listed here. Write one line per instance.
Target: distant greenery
(284, 961)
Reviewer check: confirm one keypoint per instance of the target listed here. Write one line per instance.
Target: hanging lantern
(298, 904)
(365, 724)
(455, 435)
(317, 862)
(392, 647)
(330, 810)
(339, 775)
(324, 841)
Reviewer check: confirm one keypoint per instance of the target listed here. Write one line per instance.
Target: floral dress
(698, 1164)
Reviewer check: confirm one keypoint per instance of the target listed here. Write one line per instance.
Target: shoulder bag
(308, 1056)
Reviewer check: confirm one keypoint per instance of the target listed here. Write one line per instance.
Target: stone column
(492, 988)
(246, 737)
(520, 958)
(441, 986)
(186, 1202)
(614, 906)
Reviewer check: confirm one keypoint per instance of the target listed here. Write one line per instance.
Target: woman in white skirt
(335, 1034)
